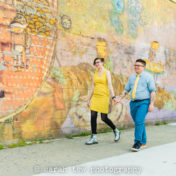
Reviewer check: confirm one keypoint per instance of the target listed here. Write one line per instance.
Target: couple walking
(142, 88)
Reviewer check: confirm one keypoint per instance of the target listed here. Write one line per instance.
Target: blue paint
(132, 27)
(116, 22)
(119, 6)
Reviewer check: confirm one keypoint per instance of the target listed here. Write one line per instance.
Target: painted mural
(27, 44)
(47, 48)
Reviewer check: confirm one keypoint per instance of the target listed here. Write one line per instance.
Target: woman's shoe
(92, 140)
(117, 135)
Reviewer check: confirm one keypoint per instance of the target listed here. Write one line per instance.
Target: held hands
(117, 100)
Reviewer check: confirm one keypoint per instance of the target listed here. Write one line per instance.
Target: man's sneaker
(92, 140)
(136, 147)
(116, 135)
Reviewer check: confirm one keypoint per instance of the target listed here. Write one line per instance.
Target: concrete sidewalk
(154, 161)
(39, 158)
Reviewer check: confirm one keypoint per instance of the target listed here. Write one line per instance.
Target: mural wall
(47, 48)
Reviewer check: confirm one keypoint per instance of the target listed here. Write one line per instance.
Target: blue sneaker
(117, 135)
(92, 140)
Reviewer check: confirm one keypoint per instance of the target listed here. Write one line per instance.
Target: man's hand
(151, 107)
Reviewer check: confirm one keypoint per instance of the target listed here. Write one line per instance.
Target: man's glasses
(138, 65)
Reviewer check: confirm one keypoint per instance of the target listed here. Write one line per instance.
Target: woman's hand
(114, 100)
(88, 103)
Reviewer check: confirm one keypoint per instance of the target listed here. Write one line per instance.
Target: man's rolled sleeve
(127, 87)
(151, 84)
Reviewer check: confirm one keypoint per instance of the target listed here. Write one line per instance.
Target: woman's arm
(110, 84)
(91, 93)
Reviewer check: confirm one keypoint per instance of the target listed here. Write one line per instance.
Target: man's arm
(152, 100)
(152, 97)
(124, 93)
(152, 89)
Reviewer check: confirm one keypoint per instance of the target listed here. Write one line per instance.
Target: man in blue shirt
(142, 88)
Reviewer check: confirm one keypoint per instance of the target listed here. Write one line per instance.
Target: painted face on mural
(139, 67)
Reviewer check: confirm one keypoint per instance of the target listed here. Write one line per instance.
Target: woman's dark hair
(101, 59)
(141, 61)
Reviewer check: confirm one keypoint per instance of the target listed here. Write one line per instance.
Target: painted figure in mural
(142, 87)
(154, 64)
(98, 100)
(2, 94)
(102, 52)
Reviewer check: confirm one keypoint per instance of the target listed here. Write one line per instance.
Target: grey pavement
(154, 161)
(64, 153)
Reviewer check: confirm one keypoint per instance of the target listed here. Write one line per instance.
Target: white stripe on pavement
(155, 161)
(172, 124)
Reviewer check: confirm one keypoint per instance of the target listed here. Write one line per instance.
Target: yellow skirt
(100, 104)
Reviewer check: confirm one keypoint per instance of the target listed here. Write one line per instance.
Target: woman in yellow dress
(98, 100)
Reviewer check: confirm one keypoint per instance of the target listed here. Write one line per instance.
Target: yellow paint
(28, 129)
(174, 1)
(154, 67)
(151, 65)
(52, 21)
(47, 88)
(155, 45)
(23, 55)
(101, 47)
(17, 30)
(88, 21)
(160, 12)
(85, 19)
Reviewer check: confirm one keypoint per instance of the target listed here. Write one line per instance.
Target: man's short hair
(141, 61)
